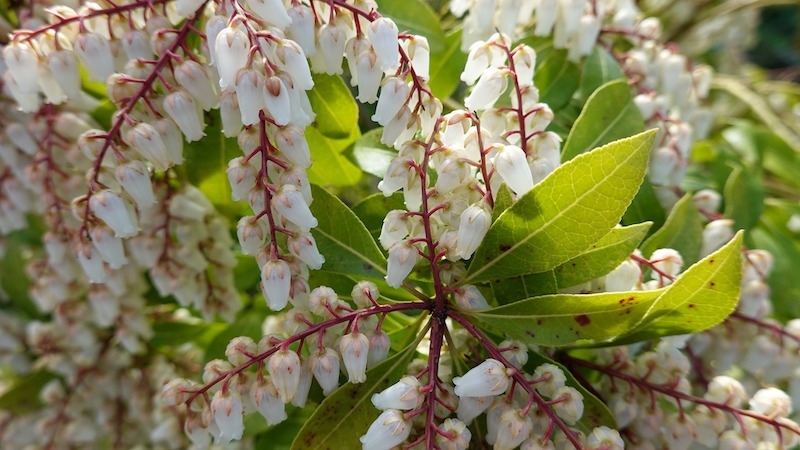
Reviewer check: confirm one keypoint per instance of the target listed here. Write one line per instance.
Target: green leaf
(373, 209)
(702, 297)
(370, 154)
(564, 319)
(503, 201)
(565, 214)
(744, 198)
(683, 231)
(246, 325)
(330, 166)
(334, 105)
(345, 415)
(211, 154)
(599, 68)
(772, 235)
(447, 65)
(595, 411)
(644, 207)
(280, 436)
(609, 114)
(176, 333)
(557, 79)
(23, 395)
(415, 17)
(527, 286)
(14, 281)
(343, 239)
(602, 257)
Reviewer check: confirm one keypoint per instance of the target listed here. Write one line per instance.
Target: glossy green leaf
(370, 154)
(564, 319)
(246, 325)
(744, 198)
(518, 288)
(557, 78)
(447, 65)
(415, 17)
(565, 214)
(599, 68)
(334, 105)
(609, 114)
(702, 296)
(23, 395)
(343, 239)
(345, 415)
(595, 411)
(330, 166)
(178, 333)
(772, 235)
(683, 231)
(14, 281)
(211, 154)
(602, 257)
(373, 209)
(644, 207)
(503, 201)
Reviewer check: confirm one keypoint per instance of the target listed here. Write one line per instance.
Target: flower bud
(552, 378)
(668, 261)
(291, 58)
(354, 348)
(488, 378)
(715, 235)
(284, 368)
(238, 348)
(251, 233)
(471, 407)
(605, 438)
(91, 262)
(707, 200)
(325, 367)
(570, 406)
(249, 84)
(276, 282)
(364, 293)
(459, 435)
(771, 402)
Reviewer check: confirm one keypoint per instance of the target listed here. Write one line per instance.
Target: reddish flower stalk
(518, 377)
(670, 391)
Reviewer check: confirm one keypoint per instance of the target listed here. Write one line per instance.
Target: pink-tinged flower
(276, 99)
(134, 178)
(194, 78)
(354, 348)
(276, 280)
(458, 437)
(242, 178)
(293, 144)
(251, 233)
(513, 429)
(92, 263)
(379, 345)
(469, 298)
(95, 53)
(265, 398)
(402, 259)
(116, 212)
(182, 109)
(249, 84)
(146, 140)
(109, 247)
(390, 429)
(325, 367)
(304, 247)
(227, 409)
(382, 33)
(291, 58)
(369, 76)
(403, 395)
(488, 378)
(570, 406)
(284, 368)
(512, 166)
(289, 203)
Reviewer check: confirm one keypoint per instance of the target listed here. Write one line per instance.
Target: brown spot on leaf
(505, 248)
(692, 305)
(539, 322)
(583, 320)
(712, 284)
(711, 261)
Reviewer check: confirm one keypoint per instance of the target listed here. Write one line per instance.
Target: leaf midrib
(545, 225)
(358, 254)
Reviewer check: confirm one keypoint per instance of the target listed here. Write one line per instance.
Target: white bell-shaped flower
(116, 212)
(513, 429)
(402, 259)
(95, 53)
(249, 85)
(379, 345)
(276, 279)
(265, 398)
(146, 140)
(188, 8)
(304, 247)
(394, 94)
(65, 64)
(471, 407)
(304, 388)
(181, 108)
(232, 48)
(420, 54)
(478, 60)
(389, 430)
(292, 143)
(403, 395)
(667, 261)
(22, 62)
(512, 166)
(194, 78)
(624, 277)
(331, 41)
(228, 409)
(490, 86)
(570, 404)
(272, 11)
(276, 99)
(382, 34)
(92, 263)
(469, 298)
(109, 247)
(715, 235)
(290, 204)
(473, 225)
(291, 58)
(354, 348)
(251, 233)
(302, 28)
(369, 76)
(242, 178)
(284, 369)
(325, 367)
(490, 377)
